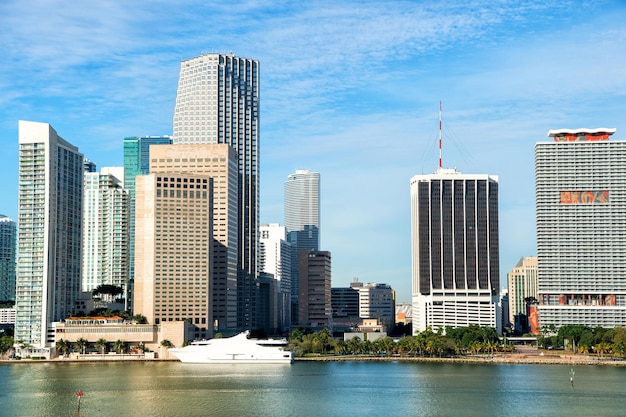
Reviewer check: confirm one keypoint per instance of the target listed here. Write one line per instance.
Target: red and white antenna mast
(440, 138)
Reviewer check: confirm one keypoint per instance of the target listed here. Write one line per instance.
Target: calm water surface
(310, 389)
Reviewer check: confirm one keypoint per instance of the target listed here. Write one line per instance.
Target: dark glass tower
(455, 250)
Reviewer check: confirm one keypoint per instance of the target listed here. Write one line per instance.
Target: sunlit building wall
(217, 101)
(580, 185)
(302, 221)
(106, 217)
(50, 232)
(218, 163)
(136, 162)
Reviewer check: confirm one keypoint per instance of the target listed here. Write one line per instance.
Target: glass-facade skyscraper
(217, 101)
(7, 258)
(455, 250)
(580, 185)
(50, 203)
(302, 221)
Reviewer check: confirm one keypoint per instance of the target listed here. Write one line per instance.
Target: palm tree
(101, 344)
(80, 345)
(119, 346)
(62, 346)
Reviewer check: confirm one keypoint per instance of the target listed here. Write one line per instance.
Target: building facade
(315, 291)
(50, 232)
(522, 288)
(455, 250)
(580, 180)
(136, 162)
(217, 101)
(377, 301)
(302, 221)
(275, 260)
(8, 247)
(106, 217)
(174, 244)
(218, 163)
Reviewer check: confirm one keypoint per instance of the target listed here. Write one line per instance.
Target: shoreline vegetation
(539, 358)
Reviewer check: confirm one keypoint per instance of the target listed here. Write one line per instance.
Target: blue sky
(350, 89)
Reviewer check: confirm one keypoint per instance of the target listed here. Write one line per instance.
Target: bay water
(310, 389)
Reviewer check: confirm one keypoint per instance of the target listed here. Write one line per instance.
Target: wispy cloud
(349, 89)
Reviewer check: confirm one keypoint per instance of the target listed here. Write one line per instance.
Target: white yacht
(236, 349)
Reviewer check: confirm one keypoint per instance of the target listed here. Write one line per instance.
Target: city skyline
(350, 90)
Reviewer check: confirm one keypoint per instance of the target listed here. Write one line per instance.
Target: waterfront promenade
(534, 357)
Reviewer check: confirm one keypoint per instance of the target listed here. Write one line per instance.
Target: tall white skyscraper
(580, 180)
(302, 220)
(455, 250)
(302, 209)
(106, 219)
(50, 232)
(217, 101)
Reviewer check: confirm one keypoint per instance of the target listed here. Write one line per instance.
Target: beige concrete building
(218, 164)
(111, 329)
(173, 242)
(522, 284)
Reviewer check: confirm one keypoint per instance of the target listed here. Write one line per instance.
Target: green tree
(119, 346)
(80, 345)
(355, 345)
(62, 346)
(6, 344)
(166, 344)
(139, 319)
(101, 345)
(323, 337)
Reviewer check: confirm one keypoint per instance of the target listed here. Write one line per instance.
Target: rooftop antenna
(440, 138)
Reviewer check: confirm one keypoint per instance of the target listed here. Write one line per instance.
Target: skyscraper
(455, 252)
(302, 209)
(174, 247)
(580, 181)
(137, 162)
(217, 101)
(106, 229)
(7, 258)
(522, 286)
(218, 163)
(275, 259)
(315, 278)
(302, 220)
(50, 232)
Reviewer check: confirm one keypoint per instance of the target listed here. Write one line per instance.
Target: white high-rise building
(302, 209)
(302, 220)
(217, 101)
(50, 232)
(455, 250)
(275, 259)
(106, 213)
(580, 180)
